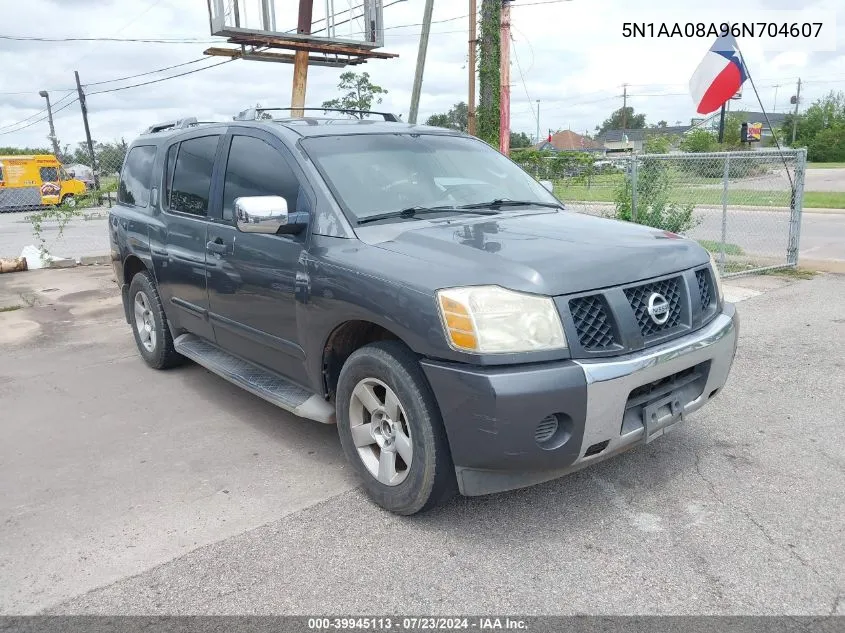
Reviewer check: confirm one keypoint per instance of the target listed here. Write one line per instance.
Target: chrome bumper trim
(610, 382)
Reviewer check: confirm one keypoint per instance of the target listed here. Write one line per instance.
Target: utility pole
(538, 120)
(84, 108)
(505, 80)
(300, 60)
(624, 107)
(473, 45)
(795, 116)
(418, 74)
(53, 139)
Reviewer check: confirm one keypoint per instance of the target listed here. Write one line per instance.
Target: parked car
(608, 166)
(412, 285)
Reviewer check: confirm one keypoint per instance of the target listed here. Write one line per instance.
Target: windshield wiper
(411, 212)
(504, 202)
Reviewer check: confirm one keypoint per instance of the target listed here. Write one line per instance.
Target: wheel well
(131, 267)
(342, 342)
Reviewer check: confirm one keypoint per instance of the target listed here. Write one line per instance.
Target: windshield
(372, 174)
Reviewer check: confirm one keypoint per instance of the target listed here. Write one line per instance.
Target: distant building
(569, 141)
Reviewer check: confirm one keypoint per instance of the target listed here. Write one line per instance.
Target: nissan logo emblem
(658, 308)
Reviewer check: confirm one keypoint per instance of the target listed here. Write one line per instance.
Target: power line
(120, 30)
(56, 111)
(39, 113)
(155, 81)
(28, 38)
(524, 86)
(150, 72)
(532, 4)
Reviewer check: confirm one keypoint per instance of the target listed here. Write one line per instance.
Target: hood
(547, 252)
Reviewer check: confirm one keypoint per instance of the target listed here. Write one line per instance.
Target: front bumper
(602, 406)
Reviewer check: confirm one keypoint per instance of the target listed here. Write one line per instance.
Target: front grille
(638, 296)
(704, 288)
(592, 323)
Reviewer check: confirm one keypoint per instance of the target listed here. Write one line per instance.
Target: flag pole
(769, 123)
(722, 124)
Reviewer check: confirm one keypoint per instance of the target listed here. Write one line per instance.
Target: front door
(252, 283)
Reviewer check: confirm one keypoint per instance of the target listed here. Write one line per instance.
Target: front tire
(69, 201)
(391, 430)
(149, 324)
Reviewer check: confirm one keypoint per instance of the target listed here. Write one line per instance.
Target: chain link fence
(38, 182)
(738, 205)
(46, 200)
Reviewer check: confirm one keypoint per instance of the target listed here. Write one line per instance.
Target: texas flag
(718, 77)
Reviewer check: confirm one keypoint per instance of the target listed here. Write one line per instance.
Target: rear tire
(391, 430)
(149, 324)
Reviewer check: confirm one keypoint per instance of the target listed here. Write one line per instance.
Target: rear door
(255, 279)
(179, 246)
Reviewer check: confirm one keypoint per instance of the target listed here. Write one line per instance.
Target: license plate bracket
(660, 415)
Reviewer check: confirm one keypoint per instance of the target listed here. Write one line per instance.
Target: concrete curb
(85, 260)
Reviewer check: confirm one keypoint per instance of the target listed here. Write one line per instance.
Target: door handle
(217, 246)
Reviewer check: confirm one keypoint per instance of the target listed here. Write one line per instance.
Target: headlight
(718, 278)
(491, 320)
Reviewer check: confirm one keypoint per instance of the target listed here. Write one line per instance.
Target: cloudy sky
(570, 55)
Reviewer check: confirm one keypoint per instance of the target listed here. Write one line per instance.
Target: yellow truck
(37, 180)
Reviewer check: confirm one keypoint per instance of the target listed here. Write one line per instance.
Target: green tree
(614, 121)
(699, 141)
(520, 140)
(23, 151)
(359, 93)
(828, 145)
(827, 112)
(658, 144)
(456, 119)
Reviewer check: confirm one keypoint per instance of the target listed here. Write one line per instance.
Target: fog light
(546, 429)
(553, 431)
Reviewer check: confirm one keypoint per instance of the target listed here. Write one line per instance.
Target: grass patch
(824, 199)
(736, 197)
(793, 273)
(716, 247)
(825, 165)
(10, 308)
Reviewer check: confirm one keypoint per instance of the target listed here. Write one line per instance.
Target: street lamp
(52, 137)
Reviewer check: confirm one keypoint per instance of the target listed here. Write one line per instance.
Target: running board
(257, 380)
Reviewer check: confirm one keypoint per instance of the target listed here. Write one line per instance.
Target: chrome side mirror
(261, 214)
(548, 185)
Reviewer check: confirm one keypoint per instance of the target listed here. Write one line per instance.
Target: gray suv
(412, 285)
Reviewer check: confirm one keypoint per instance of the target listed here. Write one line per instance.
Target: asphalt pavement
(125, 490)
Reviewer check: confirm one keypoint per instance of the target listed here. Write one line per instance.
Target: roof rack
(255, 114)
(178, 124)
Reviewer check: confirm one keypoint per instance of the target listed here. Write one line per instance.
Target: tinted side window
(255, 168)
(169, 163)
(137, 175)
(192, 175)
